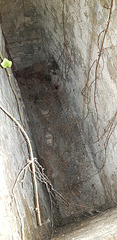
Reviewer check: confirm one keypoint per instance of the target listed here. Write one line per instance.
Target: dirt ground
(101, 227)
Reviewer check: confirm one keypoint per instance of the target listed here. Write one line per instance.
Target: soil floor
(101, 227)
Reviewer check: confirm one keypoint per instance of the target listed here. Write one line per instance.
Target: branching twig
(32, 163)
(86, 92)
(19, 174)
(99, 57)
(42, 177)
(87, 89)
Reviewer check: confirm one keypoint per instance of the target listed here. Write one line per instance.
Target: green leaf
(6, 63)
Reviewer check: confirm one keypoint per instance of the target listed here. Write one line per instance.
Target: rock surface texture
(65, 59)
(17, 208)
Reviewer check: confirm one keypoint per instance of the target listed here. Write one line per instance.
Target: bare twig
(14, 92)
(17, 99)
(37, 209)
(87, 89)
(19, 174)
(99, 56)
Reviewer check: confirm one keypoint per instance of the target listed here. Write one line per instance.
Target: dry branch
(37, 209)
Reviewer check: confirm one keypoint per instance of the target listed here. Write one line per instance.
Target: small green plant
(6, 63)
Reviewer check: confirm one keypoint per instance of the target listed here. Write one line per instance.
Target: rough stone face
(17, 215)
(53, 45)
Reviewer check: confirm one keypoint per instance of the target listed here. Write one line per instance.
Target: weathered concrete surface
(17, 215)
(102, 227)
(53, 44)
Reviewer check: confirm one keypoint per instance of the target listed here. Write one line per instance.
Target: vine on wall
(93, 86)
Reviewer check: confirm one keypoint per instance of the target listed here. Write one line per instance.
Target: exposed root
(37, 207)
(88, 86)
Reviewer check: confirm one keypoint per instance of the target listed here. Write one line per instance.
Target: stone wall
(17, 214)
(53, 45)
